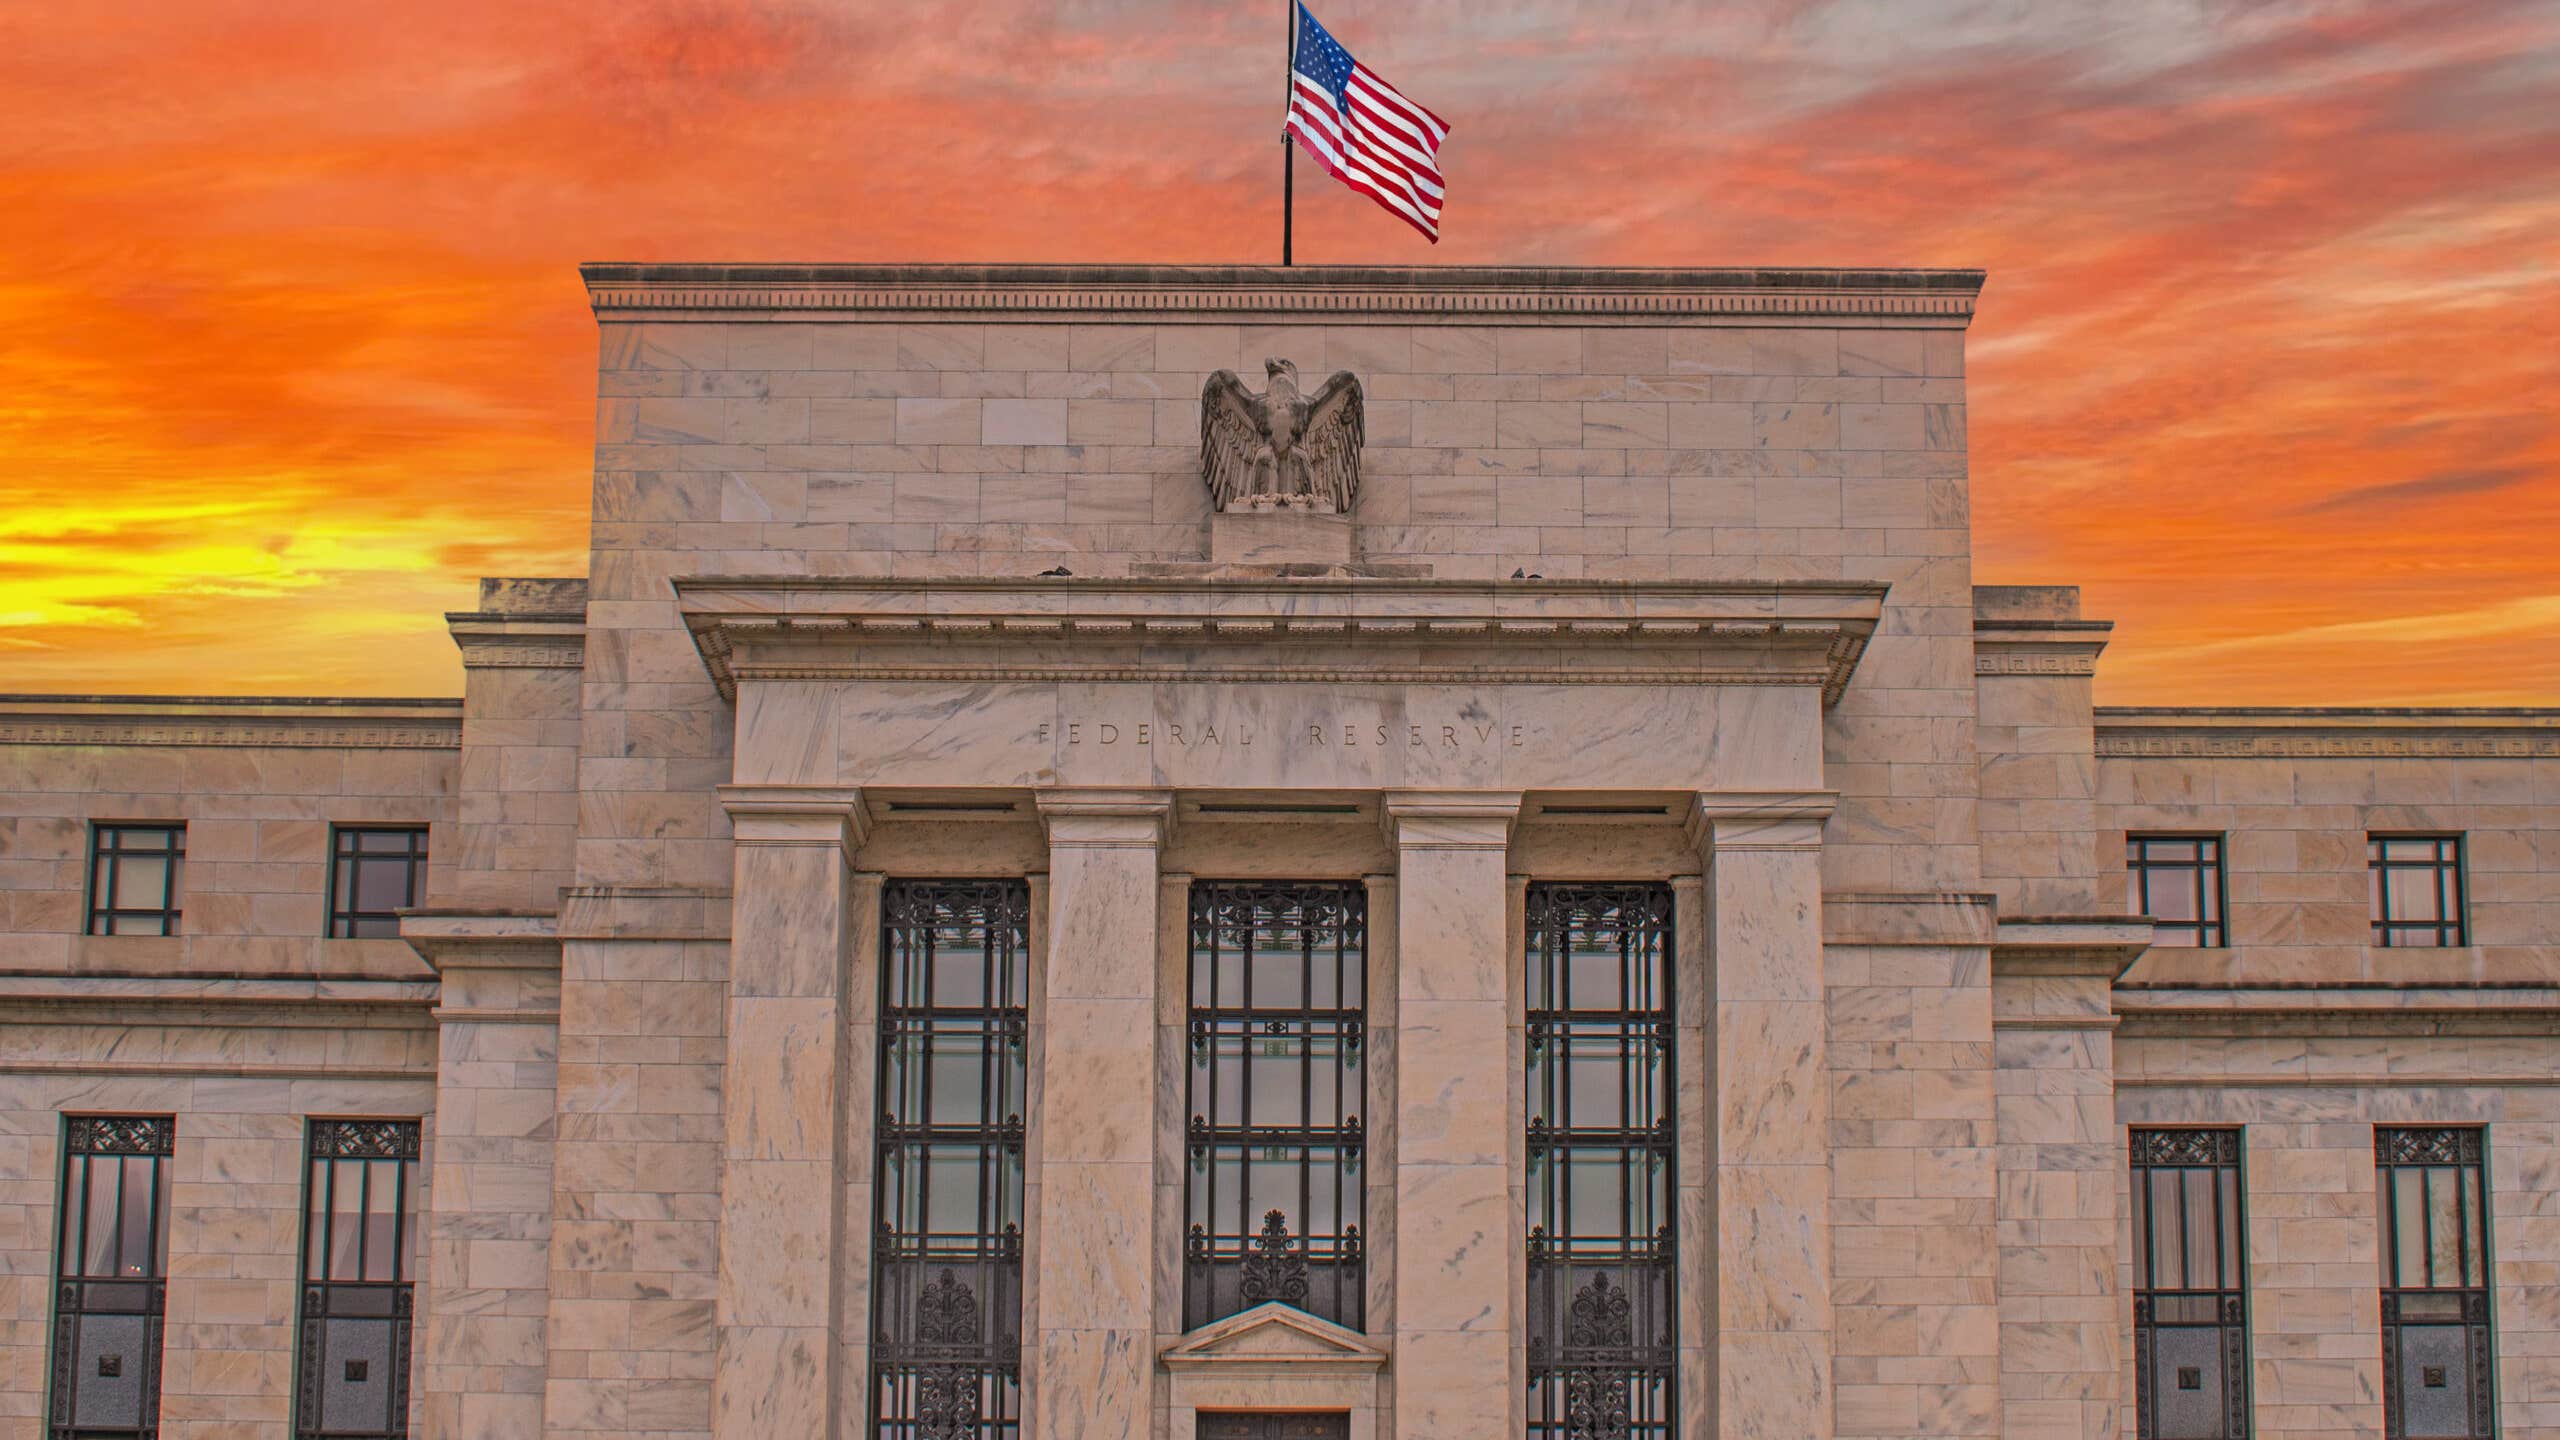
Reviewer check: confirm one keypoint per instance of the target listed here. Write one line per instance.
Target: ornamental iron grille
(2416, 889)
(111, 1277)
(2436, 1375)
(1602, 1237)
(135, 875)
(2190, 1286)
(360, 1235)
(375, 872)
(1274, 1180)
(2177, 881)
(946, 1316)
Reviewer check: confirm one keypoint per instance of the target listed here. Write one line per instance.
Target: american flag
(1364, 131)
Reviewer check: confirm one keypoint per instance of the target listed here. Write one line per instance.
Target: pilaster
(1093, 1319)
(1458, 1211)
(1769, 1202)
(782, 1192)
(488, 1230)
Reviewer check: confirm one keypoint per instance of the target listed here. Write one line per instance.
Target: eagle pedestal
(1279, 533)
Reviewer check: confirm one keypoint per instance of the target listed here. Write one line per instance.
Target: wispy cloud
(2425, 487)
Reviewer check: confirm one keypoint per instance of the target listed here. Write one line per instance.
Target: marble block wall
(1914, 1238)
(235, 1216)
(258, 785)
(1704, 432)
(2308, 1103)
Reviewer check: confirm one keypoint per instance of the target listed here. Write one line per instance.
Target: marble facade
(907, 572)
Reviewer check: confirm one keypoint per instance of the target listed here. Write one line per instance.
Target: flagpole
(1288, 151)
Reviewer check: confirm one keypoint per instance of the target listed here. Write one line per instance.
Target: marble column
(1770, 1182)
(784, 1241)
(1457, 1120)
(1093, 1321)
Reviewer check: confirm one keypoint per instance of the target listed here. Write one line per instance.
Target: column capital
(1111, 818)
(797, 815)
(1729, 820)
(1448, 819)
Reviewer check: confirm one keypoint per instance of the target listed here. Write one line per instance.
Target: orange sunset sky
(292, 345)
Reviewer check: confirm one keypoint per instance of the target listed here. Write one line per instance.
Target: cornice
(2337, 1011)
(231, 722)
(1322, 630)
(281, 1003)
(2101, 947)
(1239, 293)
(502, 640)
(2039, 647)
(451, 940)
(2267, 733)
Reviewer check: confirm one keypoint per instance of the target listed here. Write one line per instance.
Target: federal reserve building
(1213, 853)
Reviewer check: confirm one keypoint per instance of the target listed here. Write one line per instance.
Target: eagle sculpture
(1280, 449)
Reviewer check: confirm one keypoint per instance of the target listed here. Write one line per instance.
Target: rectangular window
(2417, 889)
(111, 1277)
(2435, 1283)
(2177, 881)
(375, 872)
(359, 1232)
(134, 878)
(946, 1309)
(1602, 1235)
(1273, 1178)
(2190, 1286)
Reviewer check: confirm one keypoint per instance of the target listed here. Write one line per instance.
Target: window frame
(2464, 1149)
(1322, 1274)
(86, 1139)
(347, 864)
(1601, 1353)
(2452, 927)
(2214, 1150)
(942, 1354)
(105, 909)
(334, 1141)
(2210, 934)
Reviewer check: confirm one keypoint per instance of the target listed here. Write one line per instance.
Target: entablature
(1313, 629)
(2269, 732)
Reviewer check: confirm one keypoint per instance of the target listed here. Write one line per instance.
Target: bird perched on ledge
(1279, 450)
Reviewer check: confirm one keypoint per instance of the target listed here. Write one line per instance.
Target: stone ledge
(643, 912)
(483, 939)
(2085, 946)
(1932, 918)
(264, 722)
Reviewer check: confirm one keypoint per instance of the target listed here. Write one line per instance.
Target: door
(1333, 1426)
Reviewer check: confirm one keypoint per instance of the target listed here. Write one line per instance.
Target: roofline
(341, 702)
(1767, 295)
(2313, 714)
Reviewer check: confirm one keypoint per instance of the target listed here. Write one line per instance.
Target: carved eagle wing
(1231, 432)
(1331, 438)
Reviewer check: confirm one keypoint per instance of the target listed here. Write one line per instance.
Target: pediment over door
(1273, 1334)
